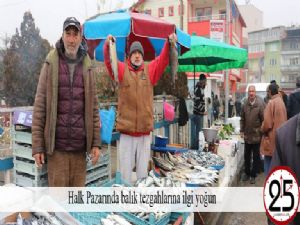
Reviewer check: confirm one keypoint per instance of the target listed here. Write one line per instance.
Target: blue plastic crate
(89, 218)
(117, 180)
(104, 160)
(6, 163)
(175, 215)
(96, 173)
(139, 221)
(98, 183)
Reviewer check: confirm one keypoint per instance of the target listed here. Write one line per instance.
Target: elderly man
(65, 123)
(135, 105)
(251, 121)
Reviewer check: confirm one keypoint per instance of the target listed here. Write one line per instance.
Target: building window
(222, 14)
(292, 77)
(293, 45)
(273, 47)
(294, 61)
(203, 13)
(161, 12)
(179, 10)
(273, 62)
(148, 11)
(171, 10)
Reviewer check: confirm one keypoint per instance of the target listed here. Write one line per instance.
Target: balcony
(200, 25)
(290, 68)
(207, 18)
(288, 85)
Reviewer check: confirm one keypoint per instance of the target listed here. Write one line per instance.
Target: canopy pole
(226, 94)
(227, 71)
(194, 77)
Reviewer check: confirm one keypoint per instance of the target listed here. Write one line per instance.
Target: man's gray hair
(252, 86)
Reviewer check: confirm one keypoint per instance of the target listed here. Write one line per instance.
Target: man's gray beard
(138, 64)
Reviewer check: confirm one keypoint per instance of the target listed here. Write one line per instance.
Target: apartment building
(204, 18)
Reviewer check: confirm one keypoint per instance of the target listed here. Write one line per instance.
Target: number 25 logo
(281, 195)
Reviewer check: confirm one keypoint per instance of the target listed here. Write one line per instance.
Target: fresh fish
(172, 158)
(119, 219)
(19, 219)
(114, 59)
(161, 163)
(173, 59)
(105, 221)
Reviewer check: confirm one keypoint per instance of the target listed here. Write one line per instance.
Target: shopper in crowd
(216, 107)
(274, 116)
(287, 148)
(230, 107)
(199, 110)
(65, 123)
(282, 93)
(210, 113)
(252, 116)
(135, 104)
(293, 107)
(238, 107)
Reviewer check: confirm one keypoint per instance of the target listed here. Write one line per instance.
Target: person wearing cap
(293, 106)
(65, 124)
(199, 110)
(135, 105)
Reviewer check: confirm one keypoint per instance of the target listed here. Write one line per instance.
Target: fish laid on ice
(114, 59)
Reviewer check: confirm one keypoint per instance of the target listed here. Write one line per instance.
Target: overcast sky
(277, 12)
(49, 15)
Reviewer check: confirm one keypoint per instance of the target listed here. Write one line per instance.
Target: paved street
(245, 218)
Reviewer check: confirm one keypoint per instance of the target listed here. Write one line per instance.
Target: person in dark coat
(183, 113)
(199, 110)
(252, 116)
(238, 107)
(230, 107)
(287, 149)
(216, 107)
(293, 106)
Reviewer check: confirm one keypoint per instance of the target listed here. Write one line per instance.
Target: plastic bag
(107, 118)
(169, 111)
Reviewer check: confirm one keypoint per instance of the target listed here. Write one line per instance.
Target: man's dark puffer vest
(70, 126)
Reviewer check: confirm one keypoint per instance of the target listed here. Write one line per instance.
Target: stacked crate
(26, 174)
(100, 173)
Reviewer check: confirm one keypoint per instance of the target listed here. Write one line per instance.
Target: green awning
(207, 55)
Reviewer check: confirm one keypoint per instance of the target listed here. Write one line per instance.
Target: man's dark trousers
(252, 152)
